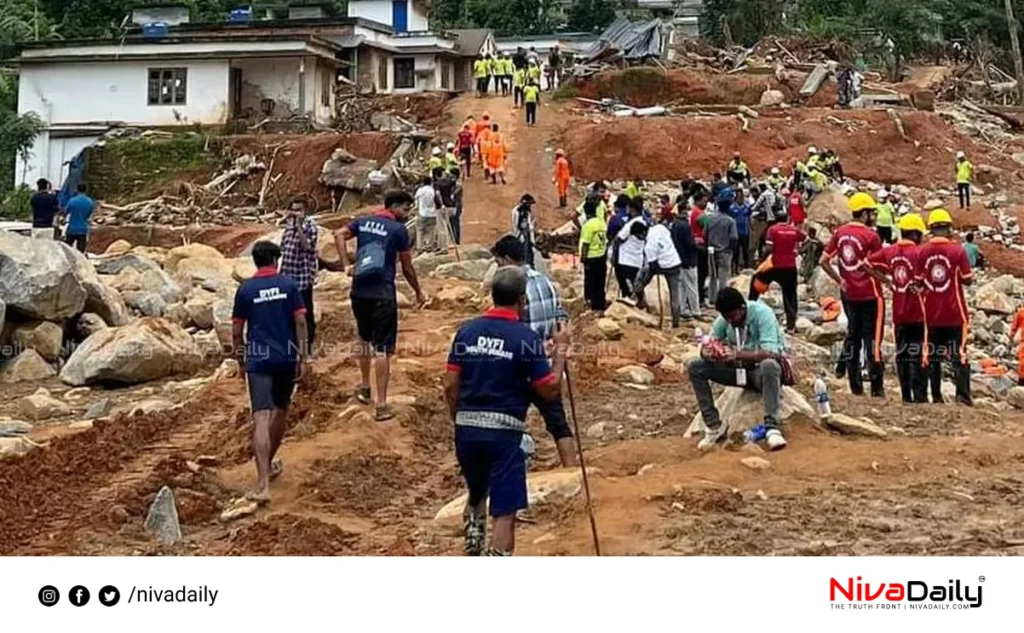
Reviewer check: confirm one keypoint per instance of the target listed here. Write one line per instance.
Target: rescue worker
(450, 159)
(945, 271)
(518, 83)
(562, 178)
(483, 141)
(492, 71)
(813, 158)
(964, 177)
(505, 74)
(885, 217)
(898, 264)
(533, 72)
(436, 160)
(854, 242)
(782, 241)
(466, 142)
(832, 167)
(736, 171)
(480, 68)
(531, 97)
(496, 154)
(1018, 326)
(776, 180)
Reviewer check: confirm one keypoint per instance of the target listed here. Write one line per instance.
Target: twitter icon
(109, 596)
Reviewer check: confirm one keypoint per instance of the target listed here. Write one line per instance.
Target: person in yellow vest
(813, 158)
(885, 218)
(492, 70)
(776, 180)
(531, 96)
(506, 67)
(964, 177)
(737, 171)
(436, 160)
(480, 68)
(518, 83)
(451, 161)
(533, 72)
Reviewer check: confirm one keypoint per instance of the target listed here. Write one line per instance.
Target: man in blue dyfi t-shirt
(269, 325)
(495, 364)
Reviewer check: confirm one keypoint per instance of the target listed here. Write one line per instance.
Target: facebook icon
(79, 596)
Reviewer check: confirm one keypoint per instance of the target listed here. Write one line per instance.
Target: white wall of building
(276, 79)
(170, 15)
(47, 159)
(118, 91)
(381, 11)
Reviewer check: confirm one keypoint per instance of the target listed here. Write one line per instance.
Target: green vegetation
(15, 204)
(564, 91)
(119, 168)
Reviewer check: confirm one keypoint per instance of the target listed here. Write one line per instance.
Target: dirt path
(530, 167)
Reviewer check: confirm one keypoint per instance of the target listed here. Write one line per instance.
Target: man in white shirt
(629, 254)
(661, 258)
(427, 203)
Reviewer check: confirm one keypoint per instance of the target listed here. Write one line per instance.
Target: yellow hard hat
(861, 201)
(939, 216)
(912, 222)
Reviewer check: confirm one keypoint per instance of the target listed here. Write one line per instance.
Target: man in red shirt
(854, 242)
(781, 243)
(945, 270)
(901, 263)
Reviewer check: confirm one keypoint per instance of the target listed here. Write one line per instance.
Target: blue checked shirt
(296, 263)
(543, 309)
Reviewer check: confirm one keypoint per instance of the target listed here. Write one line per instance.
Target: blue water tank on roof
(155, 29)
(241, 14)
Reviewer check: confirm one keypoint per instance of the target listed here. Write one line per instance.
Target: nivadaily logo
(913, 594)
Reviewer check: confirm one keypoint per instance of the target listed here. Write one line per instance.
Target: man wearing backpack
(381, 238)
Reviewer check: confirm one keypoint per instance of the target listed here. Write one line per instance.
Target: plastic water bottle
(755, 434)
(821, 395)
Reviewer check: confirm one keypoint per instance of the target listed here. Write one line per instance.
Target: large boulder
(826, 333)
(100, 298)
(823, 285)
(42, 336)
(118, 247)
(992, 300)
(455, 298)
(42, 406)
(634, 375)
(26, 366)
(744, 408)
(135, 260)
(188, 251)
(37, 277)
(344, 170)
(209, 272)
(467, 270)
(144, 350)
(199, 307)
(159, 282)
(148, 303)
(222, 310)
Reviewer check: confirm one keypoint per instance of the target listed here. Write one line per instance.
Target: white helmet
(812, 150)
(436, 151)
(775, 171)
(451, 145)
(882, 194)
(960, 154)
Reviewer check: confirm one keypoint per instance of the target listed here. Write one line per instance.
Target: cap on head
(559, 152)
(882, 194)
(775, 171)
(861, 201)
(451, 145)
(938, 217)
(812, 150)
(960, 154)
(912, 222)
(436, 151)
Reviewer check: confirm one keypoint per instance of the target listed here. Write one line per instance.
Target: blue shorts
(493, 462)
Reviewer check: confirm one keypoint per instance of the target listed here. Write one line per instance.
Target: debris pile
(361, 111)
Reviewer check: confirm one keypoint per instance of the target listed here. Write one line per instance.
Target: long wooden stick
(583, 466)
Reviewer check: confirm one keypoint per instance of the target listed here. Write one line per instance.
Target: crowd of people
(509, 75)
(514, 355)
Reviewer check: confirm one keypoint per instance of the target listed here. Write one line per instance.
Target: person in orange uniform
(1018, 326)
(900, 263)
(483, 144)
(562, 177)
(854, 242)
(945, 271)
(497, 151)
(483, 132)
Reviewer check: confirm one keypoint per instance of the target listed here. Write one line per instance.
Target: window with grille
(405, 73)
(168, 86)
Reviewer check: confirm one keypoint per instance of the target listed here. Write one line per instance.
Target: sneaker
(774, 440)
(713, 436)
(475, 530)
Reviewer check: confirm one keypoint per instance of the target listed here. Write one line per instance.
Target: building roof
(470, 41)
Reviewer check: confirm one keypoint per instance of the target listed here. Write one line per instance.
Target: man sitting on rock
(744, 350)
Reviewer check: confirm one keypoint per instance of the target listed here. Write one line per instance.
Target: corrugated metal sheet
(628, 40)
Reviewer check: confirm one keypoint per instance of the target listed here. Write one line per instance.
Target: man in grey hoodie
(721, 237)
